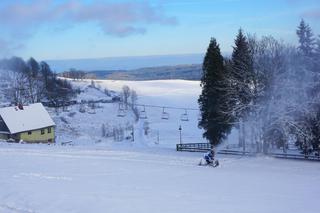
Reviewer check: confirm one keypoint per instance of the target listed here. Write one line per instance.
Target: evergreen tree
(34, 87)
(46, 73)
(306, 39)
(34, 67)
(214, 121)
(242, 75)
(317, 50)
(242, 81)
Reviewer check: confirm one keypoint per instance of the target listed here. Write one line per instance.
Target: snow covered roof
(31, 117)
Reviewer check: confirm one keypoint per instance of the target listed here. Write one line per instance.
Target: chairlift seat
(184, 116)
(165, 116)
(143, 115)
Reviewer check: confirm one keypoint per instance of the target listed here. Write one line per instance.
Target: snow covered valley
(97, 174)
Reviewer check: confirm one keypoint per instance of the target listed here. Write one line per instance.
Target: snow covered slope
(41, 178)
(85, 128)
(100, 175)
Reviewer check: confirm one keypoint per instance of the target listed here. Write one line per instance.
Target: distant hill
(124, 63)
(185, 72)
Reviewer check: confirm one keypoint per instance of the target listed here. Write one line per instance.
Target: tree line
(268, 89)
(30, 82)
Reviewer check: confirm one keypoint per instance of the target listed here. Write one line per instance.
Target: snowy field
(41, 178)
(100, 175)
(85, 128)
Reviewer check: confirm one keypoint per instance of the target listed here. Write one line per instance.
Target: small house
(30, 123)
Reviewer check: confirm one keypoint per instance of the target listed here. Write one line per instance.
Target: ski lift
(143, 113)
(184, 116)
(164, 115)
(121, 111)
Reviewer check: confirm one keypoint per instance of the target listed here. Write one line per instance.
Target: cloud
(114, 18)
(20, 20)
(315, 13)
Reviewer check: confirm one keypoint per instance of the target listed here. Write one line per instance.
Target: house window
(29, 133)
(42, 131)
(49, 129)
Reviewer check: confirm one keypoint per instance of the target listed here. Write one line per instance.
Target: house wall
(36, 135)
(3, 136)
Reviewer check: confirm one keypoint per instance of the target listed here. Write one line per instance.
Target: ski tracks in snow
(12, 209)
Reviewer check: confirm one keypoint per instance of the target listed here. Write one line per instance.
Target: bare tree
(134, 98)
(125, 95)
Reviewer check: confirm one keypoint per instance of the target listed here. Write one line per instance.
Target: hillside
(85, 128)
(124, 63)
(92, 173)
(185, 72)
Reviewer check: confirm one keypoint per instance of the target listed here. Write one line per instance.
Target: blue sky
(57, 29)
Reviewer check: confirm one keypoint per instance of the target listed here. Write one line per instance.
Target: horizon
(127, 63)
(82, 29)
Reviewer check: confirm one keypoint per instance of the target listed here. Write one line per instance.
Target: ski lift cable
(167, 107)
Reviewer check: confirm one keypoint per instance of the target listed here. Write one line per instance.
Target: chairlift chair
(164, 115)
(143, 113)
(121, 111)
(184, 116)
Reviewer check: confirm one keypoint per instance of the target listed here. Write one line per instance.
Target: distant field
(184, 72)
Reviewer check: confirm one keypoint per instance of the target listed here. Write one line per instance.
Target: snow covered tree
(134, 98)
(31, 74)
(33, 82)
(306, 39)
(242, 80)
(242, 74)
(125, 95)
(214, 121)
(318, 47)
(317, 54)
(46, 74)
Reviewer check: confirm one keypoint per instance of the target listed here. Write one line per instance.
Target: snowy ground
(85, 128)
(100, 175)
(41, 178)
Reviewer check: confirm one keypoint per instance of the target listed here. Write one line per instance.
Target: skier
(209, 159)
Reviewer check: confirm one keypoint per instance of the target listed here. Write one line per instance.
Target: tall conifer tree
(242, 74)
(214, 120)
(306, 38)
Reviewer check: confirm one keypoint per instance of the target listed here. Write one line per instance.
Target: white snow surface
(84, 128)
(100, 175)
(42, 178)
(33, 116)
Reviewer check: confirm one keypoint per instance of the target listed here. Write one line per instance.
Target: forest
(25, 82)
(268, 89)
